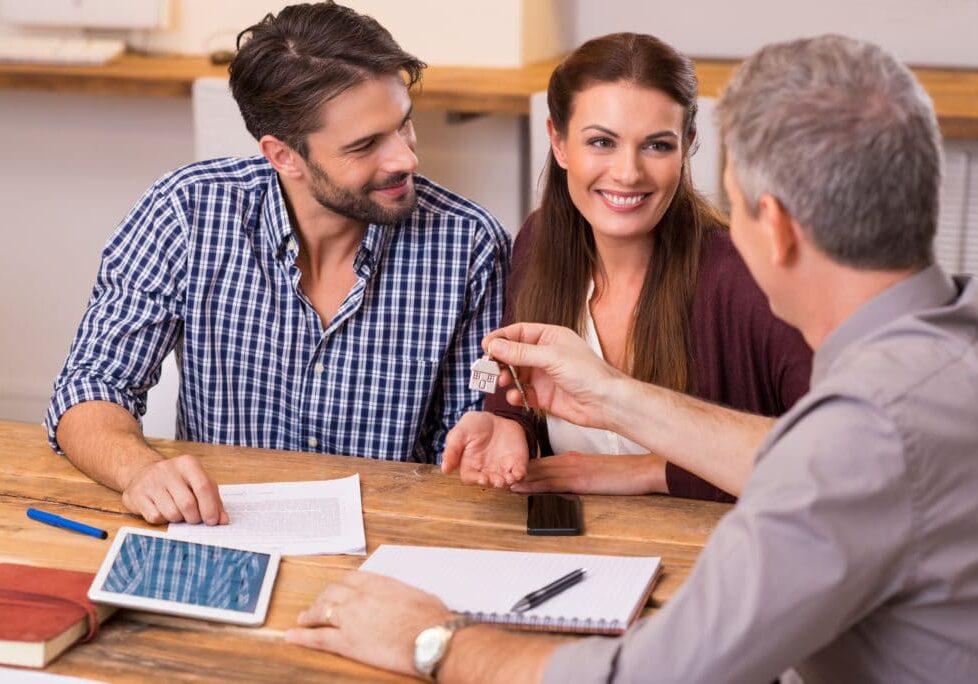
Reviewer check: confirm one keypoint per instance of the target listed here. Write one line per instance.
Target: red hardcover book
(44, 611)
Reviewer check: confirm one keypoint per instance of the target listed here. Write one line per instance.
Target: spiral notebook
(485, 584)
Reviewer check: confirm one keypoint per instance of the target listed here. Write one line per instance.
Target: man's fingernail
(498, 347)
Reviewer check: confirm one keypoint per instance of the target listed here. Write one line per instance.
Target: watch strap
(452, 626)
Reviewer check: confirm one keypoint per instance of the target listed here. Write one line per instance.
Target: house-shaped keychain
(485, 373)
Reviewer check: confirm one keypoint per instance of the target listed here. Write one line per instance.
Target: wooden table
(472, 90)
(402, 503)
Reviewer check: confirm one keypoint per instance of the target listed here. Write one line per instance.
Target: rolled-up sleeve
(812, 547)
(134, 316)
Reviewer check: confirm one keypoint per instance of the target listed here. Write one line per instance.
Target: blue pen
(58, 521)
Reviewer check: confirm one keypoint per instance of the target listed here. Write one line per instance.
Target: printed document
(293, 518)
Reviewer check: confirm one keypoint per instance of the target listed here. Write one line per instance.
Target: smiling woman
(624, 251)
(622, 129)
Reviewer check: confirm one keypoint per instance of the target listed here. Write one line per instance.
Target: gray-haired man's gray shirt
(853, 553)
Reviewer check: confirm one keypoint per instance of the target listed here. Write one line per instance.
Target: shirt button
(319, 368)
(312, 442)
(292, 245)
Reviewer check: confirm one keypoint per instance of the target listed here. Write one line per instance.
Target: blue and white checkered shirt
(206, 263)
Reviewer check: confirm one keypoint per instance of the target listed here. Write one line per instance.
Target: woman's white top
(566, 436)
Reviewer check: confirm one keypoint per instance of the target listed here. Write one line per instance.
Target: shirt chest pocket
(376, 405)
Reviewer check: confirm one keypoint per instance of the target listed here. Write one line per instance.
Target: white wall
(507, 32)
(938, 32)
(71, 167)
(501, 33)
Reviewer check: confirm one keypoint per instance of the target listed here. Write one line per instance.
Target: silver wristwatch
(431, 646)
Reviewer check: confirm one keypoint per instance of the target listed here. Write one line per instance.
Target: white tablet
(147, 570)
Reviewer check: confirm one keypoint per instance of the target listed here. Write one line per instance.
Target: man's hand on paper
(620, 475)
(369, 618)
(487, 450)
(174, 490)
(560, 373)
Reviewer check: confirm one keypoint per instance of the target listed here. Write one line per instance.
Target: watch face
(429, 648)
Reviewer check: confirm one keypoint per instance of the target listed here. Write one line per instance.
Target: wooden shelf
(448, 88)
(954, 92)
(127, 75)
(457, 89)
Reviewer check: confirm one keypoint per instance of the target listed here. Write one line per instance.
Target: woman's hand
(595, 474)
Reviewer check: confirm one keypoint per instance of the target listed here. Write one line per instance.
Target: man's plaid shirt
(206, 264)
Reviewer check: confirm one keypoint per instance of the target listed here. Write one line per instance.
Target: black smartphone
(553, 514)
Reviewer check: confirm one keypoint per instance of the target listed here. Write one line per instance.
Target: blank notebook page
(486, 584)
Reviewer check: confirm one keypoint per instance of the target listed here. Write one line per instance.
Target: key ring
(485, 373)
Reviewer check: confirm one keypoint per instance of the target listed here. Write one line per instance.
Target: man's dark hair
(289, 64)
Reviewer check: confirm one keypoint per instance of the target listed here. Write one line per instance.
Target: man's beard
(360, 207)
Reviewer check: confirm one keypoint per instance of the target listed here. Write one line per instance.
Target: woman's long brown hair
(554, 286)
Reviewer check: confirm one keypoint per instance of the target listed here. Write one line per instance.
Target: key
(485, 375)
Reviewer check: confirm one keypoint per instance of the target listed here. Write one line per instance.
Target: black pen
(535, 598)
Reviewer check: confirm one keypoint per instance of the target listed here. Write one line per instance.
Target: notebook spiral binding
(538, 623)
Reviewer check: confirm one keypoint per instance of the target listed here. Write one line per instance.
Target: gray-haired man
(852, 554)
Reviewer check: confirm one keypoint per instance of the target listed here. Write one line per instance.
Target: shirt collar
(925, 289)
(275, 220)
(281, 236)
(368, 254)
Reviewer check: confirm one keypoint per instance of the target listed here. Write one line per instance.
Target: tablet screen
(185, 572)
